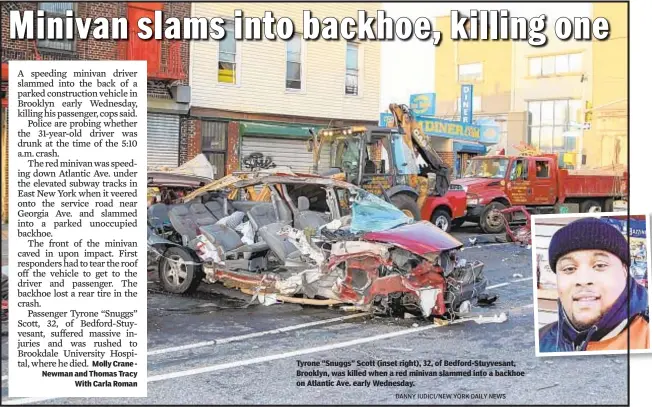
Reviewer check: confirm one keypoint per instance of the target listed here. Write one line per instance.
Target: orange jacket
(639, 338)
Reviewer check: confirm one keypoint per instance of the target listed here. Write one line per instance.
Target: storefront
(463, 152)
(266, 145)
(163, 133)
(455, 142)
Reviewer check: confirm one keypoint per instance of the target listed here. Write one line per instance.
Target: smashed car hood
(420, 238)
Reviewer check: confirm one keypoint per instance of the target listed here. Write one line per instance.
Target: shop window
(294, 64)
(543, 170)
(56, 10)
(555, 64)
(213, 145)
(228, 66)
(552, 124)
(352, 69)
(469, 72)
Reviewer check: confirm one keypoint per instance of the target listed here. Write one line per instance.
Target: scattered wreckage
(313, 240)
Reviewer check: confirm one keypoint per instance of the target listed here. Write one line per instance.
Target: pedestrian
(591, 261)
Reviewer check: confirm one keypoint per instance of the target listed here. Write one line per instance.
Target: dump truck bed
(592, 183)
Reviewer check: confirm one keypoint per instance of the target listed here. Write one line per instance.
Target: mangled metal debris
(314, 241)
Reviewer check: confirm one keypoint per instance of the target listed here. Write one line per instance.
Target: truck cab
(493, 183)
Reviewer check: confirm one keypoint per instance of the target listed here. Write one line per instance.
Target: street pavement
(250, 355)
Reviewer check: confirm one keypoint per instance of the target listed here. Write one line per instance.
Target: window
(542, 169)
(56, 10)
(227, 59)
(549, 122)
(519, 170)
(477, 104)
(213, 145)
(343, 200)
(294, 64)
(352, 70)
(555, 64)
(469, 72)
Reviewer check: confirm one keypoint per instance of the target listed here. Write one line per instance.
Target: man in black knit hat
(591, 260)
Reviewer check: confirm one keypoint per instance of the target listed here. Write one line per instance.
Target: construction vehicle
(396, 162)
(537, 182)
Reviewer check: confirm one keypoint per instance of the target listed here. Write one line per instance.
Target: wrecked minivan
(314, 240)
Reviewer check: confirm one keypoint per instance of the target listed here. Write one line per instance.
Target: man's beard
(584, 325)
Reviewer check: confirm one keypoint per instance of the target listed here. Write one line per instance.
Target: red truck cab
(493, 183)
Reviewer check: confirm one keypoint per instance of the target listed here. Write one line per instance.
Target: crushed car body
(314, 240)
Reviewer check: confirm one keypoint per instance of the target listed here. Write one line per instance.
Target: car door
(543, 182)
(518, 183)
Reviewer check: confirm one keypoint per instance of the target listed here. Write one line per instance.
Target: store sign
(423, 104)
(450, 129)
(386, 120)
(637, 245)
(466, 104)
(489, 134)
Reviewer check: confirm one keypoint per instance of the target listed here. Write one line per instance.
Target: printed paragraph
(78, 241)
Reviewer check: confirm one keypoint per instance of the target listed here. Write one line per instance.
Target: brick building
(169, 128)
(263, 96)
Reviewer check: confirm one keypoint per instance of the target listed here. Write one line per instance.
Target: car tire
(442, 220)
(590, 206)
(488, 222)
(407, 204)
(169, 273)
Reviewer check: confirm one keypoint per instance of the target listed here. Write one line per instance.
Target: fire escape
(164, 60)
(164, 57)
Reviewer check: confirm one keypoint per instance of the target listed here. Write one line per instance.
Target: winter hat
(587, 234)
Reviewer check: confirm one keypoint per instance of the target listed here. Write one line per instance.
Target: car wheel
(491, 220)
(442, 220)
(179, 272)
(590, 206)
(407, 205)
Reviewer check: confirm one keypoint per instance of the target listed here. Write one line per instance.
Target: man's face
(588, 283)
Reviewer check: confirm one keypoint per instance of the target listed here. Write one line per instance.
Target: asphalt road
(248, 366)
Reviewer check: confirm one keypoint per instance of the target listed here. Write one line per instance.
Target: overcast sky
(409, 66)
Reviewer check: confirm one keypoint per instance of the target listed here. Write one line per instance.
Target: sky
(409, 66)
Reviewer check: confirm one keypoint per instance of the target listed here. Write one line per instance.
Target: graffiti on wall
(258, 161)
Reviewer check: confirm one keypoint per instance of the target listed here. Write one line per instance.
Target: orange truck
(493, 183)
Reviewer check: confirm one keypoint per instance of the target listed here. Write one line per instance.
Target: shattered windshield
(487, 168)
(374, 214)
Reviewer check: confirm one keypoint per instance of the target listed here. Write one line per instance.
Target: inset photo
(591, 283)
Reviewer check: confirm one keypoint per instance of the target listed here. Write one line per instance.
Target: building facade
(546, 96)
(168, 101)
(473, 63)
(609, 118)
(254, 102)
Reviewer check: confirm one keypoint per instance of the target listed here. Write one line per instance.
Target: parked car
(316, 240)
